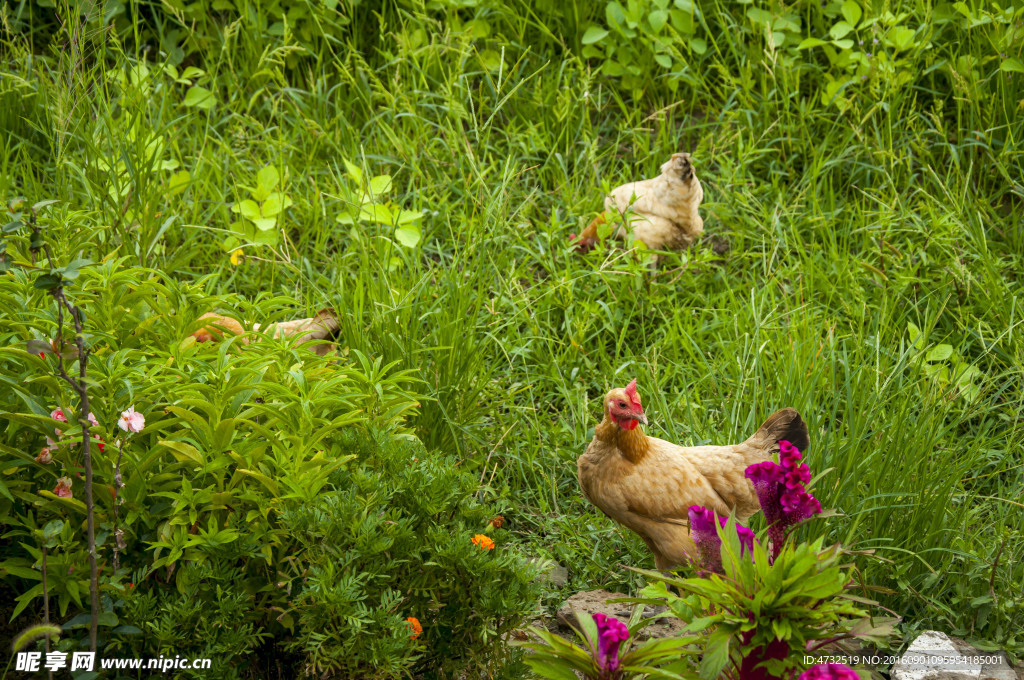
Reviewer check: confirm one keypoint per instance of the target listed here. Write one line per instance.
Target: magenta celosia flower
(610, 634)
(829, 671)
(58, 414)
(789, 455)
(705, 537)
(131, 420)
(781, 493)
(63, 488)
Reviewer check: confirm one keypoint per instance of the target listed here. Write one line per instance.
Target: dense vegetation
(419, 166)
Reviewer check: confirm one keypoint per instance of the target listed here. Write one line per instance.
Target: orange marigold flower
(497, 522)
(416, 627)
(483, 541)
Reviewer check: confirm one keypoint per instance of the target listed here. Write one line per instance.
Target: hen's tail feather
(782, 425)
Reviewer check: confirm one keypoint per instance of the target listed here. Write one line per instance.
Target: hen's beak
(641, 417)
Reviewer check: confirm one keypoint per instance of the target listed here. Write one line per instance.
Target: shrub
(256, 484)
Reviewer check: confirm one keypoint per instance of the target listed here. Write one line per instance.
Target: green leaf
(663, 60)
(12, 227)
(408, 235)
(183, 451)
(266, 180)
(199, 97)
(593, 34)
(759, 16)
(699, 45)
(716, 655)
(249, 209)
(657, 19)
(43, 204)
(47, 281)
(380, 185)
(1012, 64)
(275, 203)
(901, 37)
(851, 12)
(353, 171)
(840, 30)
(811, 42)
(940, 353)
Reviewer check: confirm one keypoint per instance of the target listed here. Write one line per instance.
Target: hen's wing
(665, 484)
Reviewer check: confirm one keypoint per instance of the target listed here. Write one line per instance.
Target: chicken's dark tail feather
(782, 425)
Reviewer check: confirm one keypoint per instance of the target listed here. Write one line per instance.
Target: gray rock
(936, 656)
(594, 601)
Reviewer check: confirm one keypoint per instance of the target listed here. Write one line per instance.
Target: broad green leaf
(265, 223)
(353, 171)
(759, 16)
(266, 180)
(199, 97)
(901, 37)
(377, 213)
(183, 451)
(940, 353)
(177, 182)
(657, 19)
(407, 216)
(663, 60)
(1012, 64)
(380, 185)
(851, 12)
(275, 203)
(840, 30)
(248, 208)
(408, 235)
(593, 34)
(716, 654)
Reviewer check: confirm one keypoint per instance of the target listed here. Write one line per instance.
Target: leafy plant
(609, 651)
(943, 365)
(260, 213)
(640, 34)
(366, 203)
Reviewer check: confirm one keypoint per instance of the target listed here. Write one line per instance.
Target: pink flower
(44, 456)
(131, 420)
(610, 634)
(58, 414)
(63, 488)
(829, 671)
(92, 420)
(705, 537)
(781, 493)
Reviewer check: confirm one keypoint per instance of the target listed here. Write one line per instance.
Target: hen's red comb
(631, 393)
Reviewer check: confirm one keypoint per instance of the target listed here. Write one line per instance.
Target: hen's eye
(622, 404)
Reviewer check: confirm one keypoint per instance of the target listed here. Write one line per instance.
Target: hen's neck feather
(632, 444)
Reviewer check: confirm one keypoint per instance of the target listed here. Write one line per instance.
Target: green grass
(843, 230)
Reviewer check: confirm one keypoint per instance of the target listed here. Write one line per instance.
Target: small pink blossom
(44, 457)
(92, 420)
(58, 414)
(610, 634)
(63, 488)
(131, 420)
